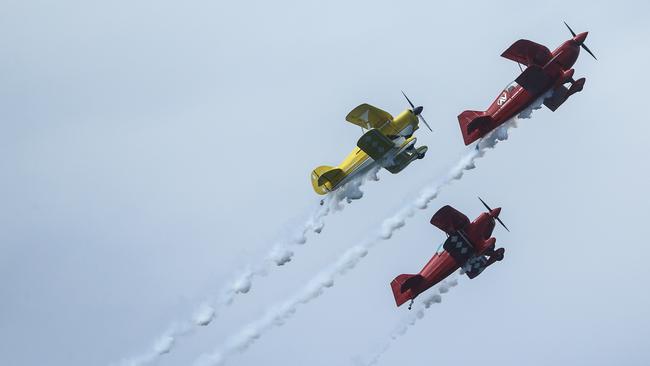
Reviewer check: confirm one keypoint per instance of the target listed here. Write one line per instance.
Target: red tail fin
(470, 125)
(403, 285)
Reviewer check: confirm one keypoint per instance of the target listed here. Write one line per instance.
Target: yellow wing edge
(367, 116)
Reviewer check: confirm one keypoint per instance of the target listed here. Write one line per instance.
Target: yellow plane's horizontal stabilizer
(325, 178)
(368, 116)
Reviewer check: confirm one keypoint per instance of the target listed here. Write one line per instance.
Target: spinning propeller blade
(407, 99)
(485, 204)
(417, 111)
(496, 218)
(584, 46)
(425, 122)
(570, 30)
(589, 51)
(502, 224)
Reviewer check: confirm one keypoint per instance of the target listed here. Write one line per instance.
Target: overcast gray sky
(151, 149)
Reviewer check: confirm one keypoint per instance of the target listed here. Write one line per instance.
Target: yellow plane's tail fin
(325, 178)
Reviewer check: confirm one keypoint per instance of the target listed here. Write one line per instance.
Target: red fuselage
(512, 102)
(478, 234)
(551, 71)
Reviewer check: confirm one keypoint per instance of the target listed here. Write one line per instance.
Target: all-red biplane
(469, 246)
(545, 71)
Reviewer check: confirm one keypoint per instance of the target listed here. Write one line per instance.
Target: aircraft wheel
(499, 254)
(422, 150)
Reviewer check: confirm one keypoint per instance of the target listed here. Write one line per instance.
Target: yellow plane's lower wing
(375, 144)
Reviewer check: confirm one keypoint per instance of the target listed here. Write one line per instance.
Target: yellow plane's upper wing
(368, 116)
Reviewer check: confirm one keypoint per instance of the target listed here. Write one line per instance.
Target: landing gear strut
(494, 256)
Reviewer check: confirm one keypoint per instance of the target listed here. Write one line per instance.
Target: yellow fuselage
(403, 124)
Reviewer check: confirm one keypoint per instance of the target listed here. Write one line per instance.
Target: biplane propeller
(417, 111)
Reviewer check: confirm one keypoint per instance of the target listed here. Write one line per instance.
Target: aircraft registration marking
(502, 99)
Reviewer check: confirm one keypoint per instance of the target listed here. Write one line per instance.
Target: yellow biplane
(388, 142)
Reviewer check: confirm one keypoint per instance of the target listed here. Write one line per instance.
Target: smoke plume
(280, 254)
(277, 315)
(428, 299)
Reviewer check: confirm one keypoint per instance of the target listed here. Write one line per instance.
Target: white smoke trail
(280, 254)
(429, 298)
(278, 315)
